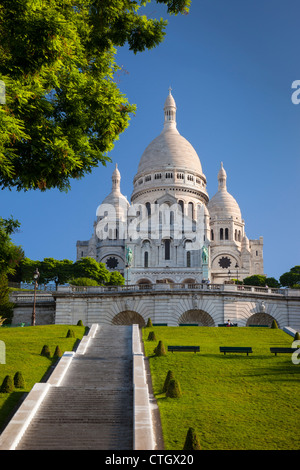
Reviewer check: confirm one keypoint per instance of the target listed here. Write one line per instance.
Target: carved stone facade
(173, 232)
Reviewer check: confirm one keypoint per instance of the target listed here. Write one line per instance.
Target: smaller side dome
(223, 205)
(115, 197)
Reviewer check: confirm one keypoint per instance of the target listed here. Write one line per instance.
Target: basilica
(171, 231)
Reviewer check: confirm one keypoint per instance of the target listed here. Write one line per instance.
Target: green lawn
(23, 347)
(233, 401)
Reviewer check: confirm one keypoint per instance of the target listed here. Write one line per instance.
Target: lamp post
(36, 278)
(237, 272)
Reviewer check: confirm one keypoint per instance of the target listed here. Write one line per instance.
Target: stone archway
(196, 316)
(128, 317)
(261, 318)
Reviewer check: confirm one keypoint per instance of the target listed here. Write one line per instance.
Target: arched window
(146, 259)
(188, 259)
(171, 218)
(221, 234)
(226, 233)
(148, 208)
(191, 210)
(212, 235)
(167, 249)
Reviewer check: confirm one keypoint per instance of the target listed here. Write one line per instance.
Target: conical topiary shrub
(274, 324)
(19, 380)
(57, 352)
(191, 442)
(7, 385)
(149, 323)
(45, 351)
(297, 336)
(70, 334)
(169, 377)
(80, 323)
(174, 390)
(151, 336)
(160, 349)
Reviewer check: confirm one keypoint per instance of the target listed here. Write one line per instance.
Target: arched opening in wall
(144, 284)
(261, 318)
(196, 316)
(164, 281)
(128, 317)
(189, 281)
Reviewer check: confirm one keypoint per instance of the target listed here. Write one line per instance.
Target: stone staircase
(92, 409)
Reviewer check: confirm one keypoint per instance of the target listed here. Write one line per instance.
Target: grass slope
(233, 401)
(22, 350)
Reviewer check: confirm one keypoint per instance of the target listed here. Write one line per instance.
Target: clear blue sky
(231, 64)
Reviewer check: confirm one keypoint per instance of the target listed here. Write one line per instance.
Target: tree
(261, 280)
(58, 271)
(89, 267)
(291, 278)
(63, 110)
(116, 279)
(27, 268)
(10, 254)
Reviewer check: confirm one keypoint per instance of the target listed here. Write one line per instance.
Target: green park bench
(159, 324)
(188, 324)
(184, 348)
(283, 350)
(225, 324)
(260, 326)
(235, 349)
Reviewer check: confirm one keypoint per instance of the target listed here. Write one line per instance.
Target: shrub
(83, 281)
(149, 323)
(70, 334)
(45, 351)
(274, 324)
(191, 442)
(160, 349)
(297, 336)
(80, 323)
(7, 385)
(57, 352)
(169, 377)
(151, 336)
(19, 380)
(174, 390)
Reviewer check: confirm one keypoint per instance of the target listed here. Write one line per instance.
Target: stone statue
(204, 255)
(128, 256)
(262, 307)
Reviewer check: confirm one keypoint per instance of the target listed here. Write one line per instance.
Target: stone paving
(92, 409)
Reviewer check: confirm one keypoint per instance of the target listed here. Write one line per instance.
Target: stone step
(93, 406)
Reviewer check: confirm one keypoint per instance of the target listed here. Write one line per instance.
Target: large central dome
(169, 163)
(170, 150)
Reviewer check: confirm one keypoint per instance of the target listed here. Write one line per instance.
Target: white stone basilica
(171, 232)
